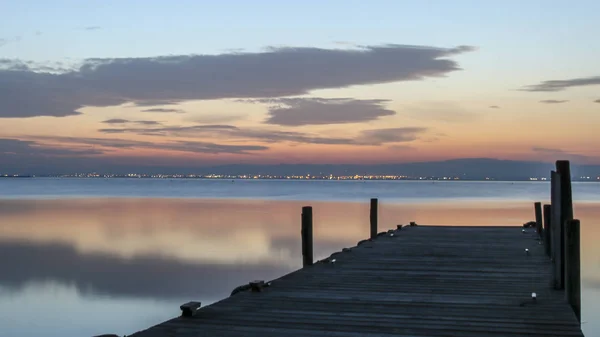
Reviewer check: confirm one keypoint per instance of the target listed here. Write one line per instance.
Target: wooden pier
(415, 281)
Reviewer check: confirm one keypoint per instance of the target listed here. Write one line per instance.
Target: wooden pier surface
(417, 281)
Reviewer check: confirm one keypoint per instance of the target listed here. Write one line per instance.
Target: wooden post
(373, 218)
(566, 205)
(547, 230)
(573, 266)
(566, 196)
(307, 236)
(557, 236)
(538, 217)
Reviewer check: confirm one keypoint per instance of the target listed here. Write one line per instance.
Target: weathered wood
(538, 217)
(373, 217)
(307, 236)
(189, 309)
(547, 233)
(557, 232)
(573, 266)
(424, 281)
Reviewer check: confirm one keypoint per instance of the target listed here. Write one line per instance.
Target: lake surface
(92, 256)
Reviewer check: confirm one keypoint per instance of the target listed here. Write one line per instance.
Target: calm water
(92, 256)
(315, 190)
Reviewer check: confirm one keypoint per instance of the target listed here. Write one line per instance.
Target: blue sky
(143, 28)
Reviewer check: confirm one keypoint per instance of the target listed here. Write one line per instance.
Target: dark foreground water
(91, 256)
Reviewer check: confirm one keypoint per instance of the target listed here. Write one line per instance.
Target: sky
(99, 84)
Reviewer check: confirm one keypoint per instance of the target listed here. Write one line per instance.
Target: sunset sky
(188, 83)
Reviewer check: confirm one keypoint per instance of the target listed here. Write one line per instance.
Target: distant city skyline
(150, 86)
(459, 169)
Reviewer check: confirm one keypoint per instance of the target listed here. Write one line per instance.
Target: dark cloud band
(315, 111)
(553, 101)
(276, 72)
(230, 132)
(559, 85)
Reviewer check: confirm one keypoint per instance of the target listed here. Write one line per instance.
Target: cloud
(16, 147)
(172, 130)
(184, 146)
(154, 102)
(390, 135)
(165, 110)
(494, 107)
(276, 72)
(116, 121)
(597, 101)
(212, 119)
(48, 154)
(3, 42)
(126, 121)
(553, 101)
(205, 147)
(230, 132)
(315, 111)
(147, 122)
(31, 66)
(13, 65)
(559, 85)
(90, 28)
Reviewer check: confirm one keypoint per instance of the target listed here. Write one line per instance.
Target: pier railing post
(373, 217)
(538, 217)
(307, 236)
(547, 233)
(557, 236)
(573, 266)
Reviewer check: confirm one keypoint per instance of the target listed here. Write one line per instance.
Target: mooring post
(566, 204)
(547, 233)
(538, 217)
(307, 236)
(557, 229)
(566, 197)
(373, 218)
(573, 266)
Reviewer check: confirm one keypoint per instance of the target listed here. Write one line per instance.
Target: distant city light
(307, 176)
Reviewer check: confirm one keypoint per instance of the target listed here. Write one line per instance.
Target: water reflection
(62, 310)
(116, 255)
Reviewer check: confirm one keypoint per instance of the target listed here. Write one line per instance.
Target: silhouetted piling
(566, 206)
(547, 233)
(373, 217)
(538, 217)
(573, 266)
(557, 232)
(307, 236)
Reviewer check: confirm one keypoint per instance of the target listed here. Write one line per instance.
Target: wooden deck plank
(422, 281)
